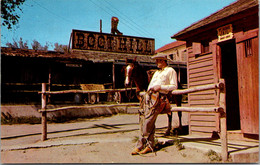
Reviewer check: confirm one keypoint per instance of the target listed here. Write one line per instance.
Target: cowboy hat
(160, 56)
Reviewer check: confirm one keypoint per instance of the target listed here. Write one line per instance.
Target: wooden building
(225, 45)
(94, 58)
(23, 71)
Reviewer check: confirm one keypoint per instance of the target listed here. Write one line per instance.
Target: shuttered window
(248, 48)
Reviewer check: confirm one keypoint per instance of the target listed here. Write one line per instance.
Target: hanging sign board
(225, 33)
(86, 40)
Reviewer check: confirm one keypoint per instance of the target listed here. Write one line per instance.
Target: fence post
(223, 122)
(44, 117)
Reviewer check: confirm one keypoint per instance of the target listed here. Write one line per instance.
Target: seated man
(163, 81)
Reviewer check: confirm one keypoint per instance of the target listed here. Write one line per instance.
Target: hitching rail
(44, 109)
(220, 108)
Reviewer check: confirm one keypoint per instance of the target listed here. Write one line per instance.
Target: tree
(37, 46)
(20, 44)
(60, 47)
(23, 45)
(8, 12)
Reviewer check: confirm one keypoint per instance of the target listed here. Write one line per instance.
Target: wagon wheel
(117, 97)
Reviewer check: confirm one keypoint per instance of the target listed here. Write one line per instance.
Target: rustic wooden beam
(197, 109)
(88, 106)
(114, 75)
(223, 122)
(87, 91)
(44, 116)
(197, 88)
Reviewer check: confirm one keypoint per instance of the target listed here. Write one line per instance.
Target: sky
(52, 21)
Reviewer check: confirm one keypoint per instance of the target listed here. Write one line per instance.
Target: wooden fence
(220, 108)
(44, 110)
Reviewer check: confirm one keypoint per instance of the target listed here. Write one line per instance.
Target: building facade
(225, 45)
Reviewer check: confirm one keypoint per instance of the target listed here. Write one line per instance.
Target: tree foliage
(20, 44)
(60, 47)
(9, 13)
(37, 46)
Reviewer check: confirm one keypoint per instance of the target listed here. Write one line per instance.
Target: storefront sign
(86, 40)
(225, 33)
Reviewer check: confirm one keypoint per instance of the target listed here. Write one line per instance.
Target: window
(205, 47)
(248, 48)
(184, 55)
(172, 57)
(200, 47)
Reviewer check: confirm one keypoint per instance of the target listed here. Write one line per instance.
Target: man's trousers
(147, 118)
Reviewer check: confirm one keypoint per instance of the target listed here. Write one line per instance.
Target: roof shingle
(232, 9)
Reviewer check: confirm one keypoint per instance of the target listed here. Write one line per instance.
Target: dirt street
(106, 140)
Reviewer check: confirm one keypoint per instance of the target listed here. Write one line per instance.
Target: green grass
(213, 156)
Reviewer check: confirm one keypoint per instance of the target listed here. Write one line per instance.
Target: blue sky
(53, 20)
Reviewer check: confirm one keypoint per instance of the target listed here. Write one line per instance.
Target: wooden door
(248, 84)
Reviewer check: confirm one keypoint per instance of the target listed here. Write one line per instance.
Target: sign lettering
(225, 33)
(86, 40)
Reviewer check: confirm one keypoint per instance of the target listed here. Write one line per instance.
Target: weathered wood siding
(248, 82)
(201, 72)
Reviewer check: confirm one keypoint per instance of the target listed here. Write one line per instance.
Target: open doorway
(229, 73)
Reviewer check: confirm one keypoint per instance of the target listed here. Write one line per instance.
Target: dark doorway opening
(229, 73)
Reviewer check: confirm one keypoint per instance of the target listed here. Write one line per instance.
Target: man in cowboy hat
(163, 81)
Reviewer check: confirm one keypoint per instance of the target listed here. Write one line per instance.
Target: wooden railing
(44, 109)
(220, 108)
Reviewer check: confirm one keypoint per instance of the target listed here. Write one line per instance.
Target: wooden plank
(203, 118)
(195, 109)
(201, 134)
(89, 106)
(88, 91)
(200, 59)
(199, 70)
(203, 123)
(208, 92)
(201, 64)
(202, 97)
(205, 82)
(201, 102)
(196, 47)
(251, 35)
(201, 74)
(201, 105)
(248, 82)
(196, 79)
(196, 89)
(203, 128)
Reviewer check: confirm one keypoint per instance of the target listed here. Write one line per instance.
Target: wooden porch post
(114, 78)
(223, 122)
(49, 82)
(44, 116)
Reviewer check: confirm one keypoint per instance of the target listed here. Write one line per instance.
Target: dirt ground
(106, 151)
(105, 147)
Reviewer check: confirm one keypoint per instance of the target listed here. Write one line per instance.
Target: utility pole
(100, 25)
